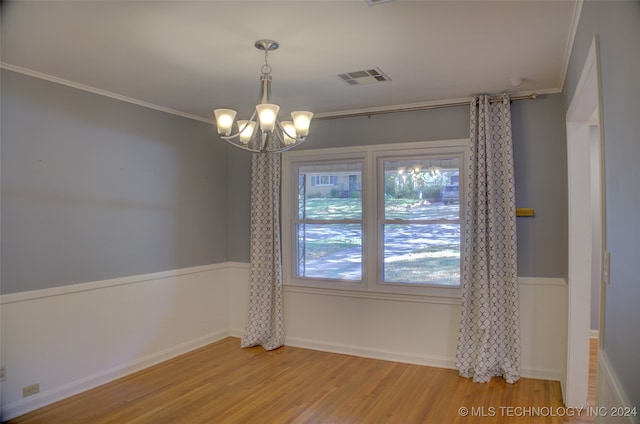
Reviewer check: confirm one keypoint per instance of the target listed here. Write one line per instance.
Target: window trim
(371, 267)
(293, 219)
(290, 162)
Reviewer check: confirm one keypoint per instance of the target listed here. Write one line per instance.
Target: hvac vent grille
(375, 2)
(369, 76)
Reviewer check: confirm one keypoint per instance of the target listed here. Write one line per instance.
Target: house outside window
(323, 180)
(379, 224)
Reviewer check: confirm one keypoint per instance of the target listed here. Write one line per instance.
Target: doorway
(586, 226)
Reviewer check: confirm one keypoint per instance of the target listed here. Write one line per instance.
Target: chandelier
(264, 132)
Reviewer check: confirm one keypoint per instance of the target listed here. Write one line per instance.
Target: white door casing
(586, 223)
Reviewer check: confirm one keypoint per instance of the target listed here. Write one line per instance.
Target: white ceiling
(189, 57)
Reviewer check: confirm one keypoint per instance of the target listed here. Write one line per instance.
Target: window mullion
(327, 221)
(370, 217)
(378, 224)
(420, 221)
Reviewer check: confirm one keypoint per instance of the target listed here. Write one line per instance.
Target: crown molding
(575, 20)
(100, 92)
(407, 107)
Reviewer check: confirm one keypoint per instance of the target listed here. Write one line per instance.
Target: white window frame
(371, 156)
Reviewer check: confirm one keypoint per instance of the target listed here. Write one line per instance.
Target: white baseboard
(610, 394)
(75, 387)
(389, 355)
(407, 358)
(236, 332)
(385, 355)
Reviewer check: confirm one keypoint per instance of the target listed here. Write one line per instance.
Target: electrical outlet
(30, 390)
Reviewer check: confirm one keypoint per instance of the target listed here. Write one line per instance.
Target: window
(420, 231)
(328, 224)
(375, 218)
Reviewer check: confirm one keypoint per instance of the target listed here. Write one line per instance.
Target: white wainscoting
(73, 338)
(420, 331)
(70, 339)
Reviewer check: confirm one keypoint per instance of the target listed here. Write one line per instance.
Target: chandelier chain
(266, 68)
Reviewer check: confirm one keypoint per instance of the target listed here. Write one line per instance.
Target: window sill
(376, 295)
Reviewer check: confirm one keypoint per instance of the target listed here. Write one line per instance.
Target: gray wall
(95, 188)
(239, 175)
(617, 24)
(540, 155)
(540, 162)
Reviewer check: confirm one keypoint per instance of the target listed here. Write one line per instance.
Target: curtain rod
(532, 96)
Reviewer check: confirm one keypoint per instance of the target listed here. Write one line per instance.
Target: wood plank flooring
(221, 383)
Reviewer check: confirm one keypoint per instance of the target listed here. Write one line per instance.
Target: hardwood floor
(593, 369)
(221, 383)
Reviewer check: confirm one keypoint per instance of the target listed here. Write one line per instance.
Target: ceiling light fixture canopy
(264, 132)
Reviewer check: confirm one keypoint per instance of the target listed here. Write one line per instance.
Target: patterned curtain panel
(265, 324)
(489, 339)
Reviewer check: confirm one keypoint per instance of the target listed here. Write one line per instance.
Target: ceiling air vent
(375, 2)
(369, 76)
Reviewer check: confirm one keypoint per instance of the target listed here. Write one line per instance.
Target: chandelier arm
(283, 146)
(289, 147)
(239, 145)
(264, 141)
(298, 140)
(280, 150)
(231, 137)
(243, 147)
(261, 138)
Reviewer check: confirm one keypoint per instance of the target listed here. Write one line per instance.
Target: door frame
(586, 197)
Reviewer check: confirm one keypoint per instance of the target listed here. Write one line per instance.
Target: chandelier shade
(246, 130)
(224, 120)
(263, 131)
